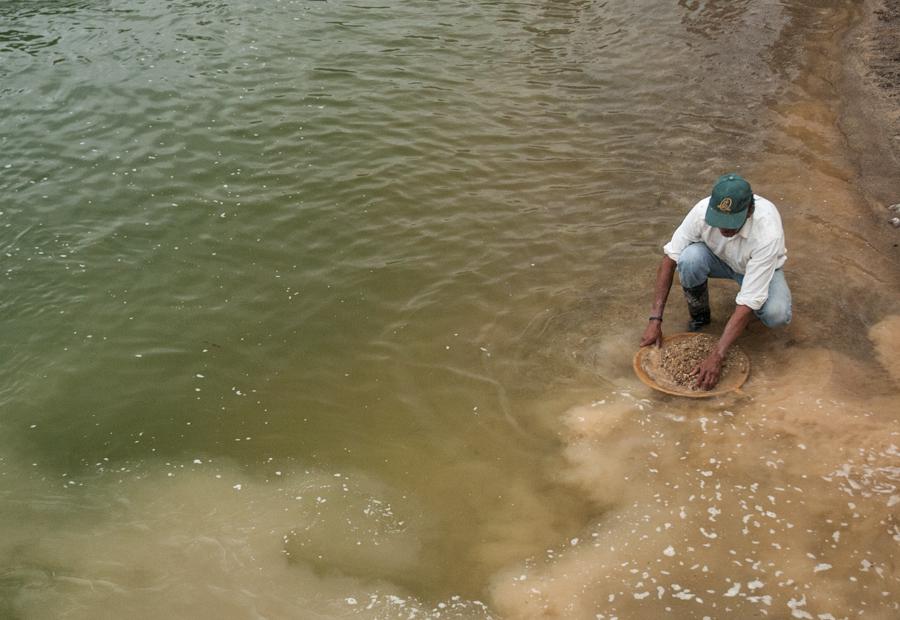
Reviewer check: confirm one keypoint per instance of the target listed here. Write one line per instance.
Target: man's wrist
(656, 317)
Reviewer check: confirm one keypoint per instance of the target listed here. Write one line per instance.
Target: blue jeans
(697, 263)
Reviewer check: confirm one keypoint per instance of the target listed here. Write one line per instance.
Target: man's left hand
(708, 370)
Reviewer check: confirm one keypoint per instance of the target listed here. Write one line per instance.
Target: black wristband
(655, 318)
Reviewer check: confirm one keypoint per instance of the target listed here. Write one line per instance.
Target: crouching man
(730, 234)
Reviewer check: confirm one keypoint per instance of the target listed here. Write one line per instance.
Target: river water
(327, 309)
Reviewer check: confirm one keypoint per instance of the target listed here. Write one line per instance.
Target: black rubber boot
(698, 306)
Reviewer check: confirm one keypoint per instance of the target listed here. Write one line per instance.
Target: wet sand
(871, 91)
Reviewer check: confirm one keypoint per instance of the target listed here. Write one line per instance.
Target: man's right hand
(653, 334)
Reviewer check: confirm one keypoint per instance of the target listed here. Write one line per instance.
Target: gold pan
(648, 367)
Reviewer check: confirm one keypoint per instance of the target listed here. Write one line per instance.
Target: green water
(295, 293)
(310, 204)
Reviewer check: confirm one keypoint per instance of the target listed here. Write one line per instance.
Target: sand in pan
(672, 367)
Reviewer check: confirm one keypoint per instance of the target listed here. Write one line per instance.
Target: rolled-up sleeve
(688, 231)
(760, 268)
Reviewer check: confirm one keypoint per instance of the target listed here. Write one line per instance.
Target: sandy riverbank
(871, 92)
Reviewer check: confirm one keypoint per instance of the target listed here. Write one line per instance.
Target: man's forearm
(665, 273)
(739, 320)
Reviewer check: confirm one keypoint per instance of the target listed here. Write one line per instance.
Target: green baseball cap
(728, 204)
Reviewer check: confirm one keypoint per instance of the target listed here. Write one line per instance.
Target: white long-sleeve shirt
(756, 251)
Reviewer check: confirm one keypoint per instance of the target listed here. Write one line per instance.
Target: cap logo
(725, 205)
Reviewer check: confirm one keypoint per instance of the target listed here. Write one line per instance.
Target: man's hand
(653, 334)
(707, 372)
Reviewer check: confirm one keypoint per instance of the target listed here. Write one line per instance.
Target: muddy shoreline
(870, 93)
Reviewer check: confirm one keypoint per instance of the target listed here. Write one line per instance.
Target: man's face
(731, 232)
